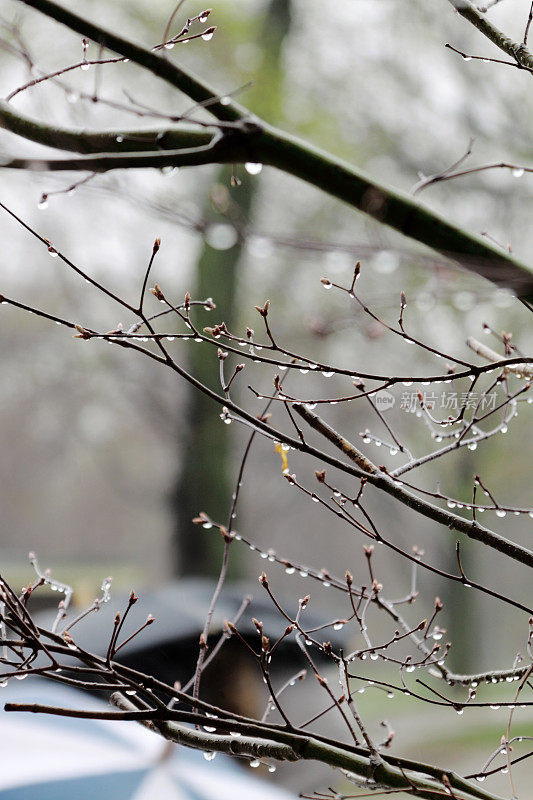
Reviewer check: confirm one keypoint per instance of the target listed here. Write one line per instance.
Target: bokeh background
(106, 457)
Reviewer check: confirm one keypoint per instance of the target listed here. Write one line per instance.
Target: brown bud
(263, 310)
(156, 291)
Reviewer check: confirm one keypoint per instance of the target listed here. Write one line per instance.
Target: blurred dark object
(168, 649)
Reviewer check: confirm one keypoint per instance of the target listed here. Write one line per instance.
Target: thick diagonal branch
(381, 480)
(517, 50)
(264, 144)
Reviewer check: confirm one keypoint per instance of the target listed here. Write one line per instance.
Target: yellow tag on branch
(278, 448)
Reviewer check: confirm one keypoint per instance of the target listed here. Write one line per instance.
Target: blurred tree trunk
(205, 480)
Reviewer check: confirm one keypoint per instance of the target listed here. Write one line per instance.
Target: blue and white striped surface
(46, 757)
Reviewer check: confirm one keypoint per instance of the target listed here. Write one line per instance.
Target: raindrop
(327, 374)
(225, 101)
(43, 203)
(518, 172)
(207, 525)
(169, 45)
(209, 729)
(467, 58)
(272, 768)
(472, 446)
(480, 778)
(500, 512)
(338, 626)
(221, 236)
(410, 668)
(385, 262)
(85, 67)
(21, 677)
(253, 168)
(209, 755)
(290, 570)
(52, 253)
(255, 763)
(119, 139)
(207, 36)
